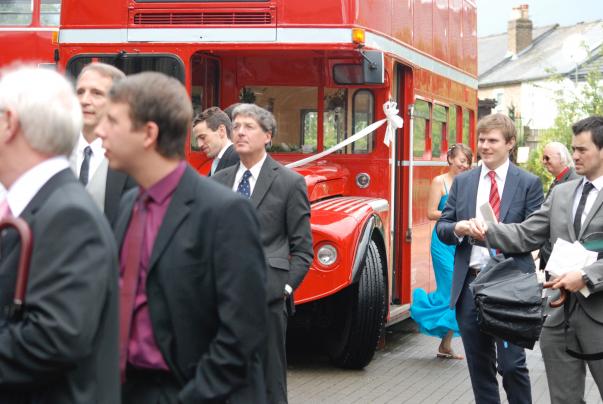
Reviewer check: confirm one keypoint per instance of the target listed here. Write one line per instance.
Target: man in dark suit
(557, 161)
(573, 211)
(192, 311)
(65, 347)
(211, 129)
(88, 158)
(513, 194)
(281, 201)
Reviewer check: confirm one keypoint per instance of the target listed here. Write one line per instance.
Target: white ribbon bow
(394, 121)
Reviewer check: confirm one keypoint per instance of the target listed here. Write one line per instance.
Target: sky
(493, 15)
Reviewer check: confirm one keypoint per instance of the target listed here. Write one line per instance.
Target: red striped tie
(494, 197)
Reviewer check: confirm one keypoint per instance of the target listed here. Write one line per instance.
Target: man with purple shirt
(192, 312)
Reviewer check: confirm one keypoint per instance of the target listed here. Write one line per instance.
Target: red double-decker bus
(325, 69)
(28, 31)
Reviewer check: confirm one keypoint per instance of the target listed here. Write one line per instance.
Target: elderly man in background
(558, 161)
(65, 349)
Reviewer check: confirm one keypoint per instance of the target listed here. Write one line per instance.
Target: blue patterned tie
(85, 167)
(244, 188)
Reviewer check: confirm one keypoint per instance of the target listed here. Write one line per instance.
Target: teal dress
(431, 310)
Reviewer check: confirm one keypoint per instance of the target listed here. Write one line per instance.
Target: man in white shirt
(573, 211)
(281, 201)
(64, 349)
(212, 131)
(513, 195)
(88, 159)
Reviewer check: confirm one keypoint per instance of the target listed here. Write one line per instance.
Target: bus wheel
(360, 314)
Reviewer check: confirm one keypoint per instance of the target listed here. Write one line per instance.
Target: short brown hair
(213, 118)
(155, 97)
(498, 121)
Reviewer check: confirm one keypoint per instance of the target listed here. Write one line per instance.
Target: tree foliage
(571, 107)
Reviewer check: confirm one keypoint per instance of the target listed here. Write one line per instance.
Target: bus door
(402, 94)
(205, 92)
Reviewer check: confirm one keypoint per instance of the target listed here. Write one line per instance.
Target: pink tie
(4, 209)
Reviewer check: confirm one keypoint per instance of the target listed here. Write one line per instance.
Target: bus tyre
(362, 312)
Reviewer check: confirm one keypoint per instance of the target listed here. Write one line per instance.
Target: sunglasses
(545, 158)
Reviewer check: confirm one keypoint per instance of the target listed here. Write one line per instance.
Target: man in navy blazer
(515, 194)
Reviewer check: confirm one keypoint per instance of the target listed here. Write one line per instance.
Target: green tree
(571, 107)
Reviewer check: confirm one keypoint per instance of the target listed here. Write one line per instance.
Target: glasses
(546, 158)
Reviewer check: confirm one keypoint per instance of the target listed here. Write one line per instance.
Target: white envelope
(567, 257)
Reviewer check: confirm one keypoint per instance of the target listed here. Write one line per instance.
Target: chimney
(519, 29)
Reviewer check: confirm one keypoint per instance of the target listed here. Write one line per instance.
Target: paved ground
(405, 371)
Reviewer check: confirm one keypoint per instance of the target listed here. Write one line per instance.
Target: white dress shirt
(480, 255)
(97, 157)
(590, 199)
(255, 172)
(28, 184)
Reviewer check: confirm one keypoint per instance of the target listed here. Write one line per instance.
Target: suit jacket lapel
(267, 175)
(122, 225)
(472, 191)
(177, 211)
(225, 158)
(509, 191)
(591, 213)
(570, 213)
(10, 239)
(230, 175)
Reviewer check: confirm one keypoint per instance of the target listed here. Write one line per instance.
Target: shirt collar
(256, 168)
(29, 183)
(223, 150)
(598, 183)
(562, 173)
(166, 186)
(501, 171)
(96, 146)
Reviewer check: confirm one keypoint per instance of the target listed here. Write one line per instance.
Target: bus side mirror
(371, 70)
(372, 67)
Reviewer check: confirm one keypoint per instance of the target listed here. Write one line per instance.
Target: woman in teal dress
(431, 311)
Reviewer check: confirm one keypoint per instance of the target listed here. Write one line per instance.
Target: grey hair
(47, 108)
(262, 116)
(105, 70)
(563, 152)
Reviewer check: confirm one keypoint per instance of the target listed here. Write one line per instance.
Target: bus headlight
(327, 255)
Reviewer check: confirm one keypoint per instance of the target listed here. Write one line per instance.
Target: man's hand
(571, 281)
(478, 229)
(474, 228)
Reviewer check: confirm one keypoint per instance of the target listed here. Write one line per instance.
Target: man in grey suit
(88, 158)
(65, 349)
(573, 211)
(212, 130)
(281, 201)
(513, 194)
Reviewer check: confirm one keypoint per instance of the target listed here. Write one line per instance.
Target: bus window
(205, 78)
(438, 130)
(16, 12)
(452, 117)
(290, 106)
(131, 64)
(335, 116)
(309, 130)
(421, 127)
(50, 13)
(362, 116)
(466, 117)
